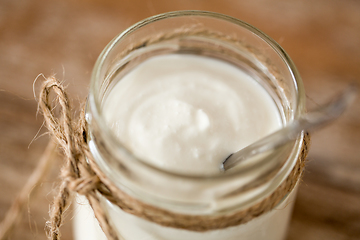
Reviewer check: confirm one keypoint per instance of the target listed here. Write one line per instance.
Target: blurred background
(64, 37)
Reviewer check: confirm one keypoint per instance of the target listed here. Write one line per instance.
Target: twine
(78, 175)
(82, 175)
(85, 178)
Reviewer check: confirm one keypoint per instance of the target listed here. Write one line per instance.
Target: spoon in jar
(309, 121)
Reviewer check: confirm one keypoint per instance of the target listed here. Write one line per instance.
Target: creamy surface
(187, 113)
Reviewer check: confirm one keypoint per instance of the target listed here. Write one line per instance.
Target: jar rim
(94, 101)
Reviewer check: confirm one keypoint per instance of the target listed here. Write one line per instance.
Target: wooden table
(65, 37)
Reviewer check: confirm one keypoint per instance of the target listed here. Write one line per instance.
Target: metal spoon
(310, 121)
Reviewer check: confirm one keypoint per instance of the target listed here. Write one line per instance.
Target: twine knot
(84, 185)
(77, 174)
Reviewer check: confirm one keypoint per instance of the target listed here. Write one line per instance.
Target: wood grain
(65, 37)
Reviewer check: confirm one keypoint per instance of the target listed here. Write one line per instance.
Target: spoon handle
(310, 121)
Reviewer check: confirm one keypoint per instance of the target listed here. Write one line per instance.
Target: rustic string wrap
(81, 175)
(78, 175)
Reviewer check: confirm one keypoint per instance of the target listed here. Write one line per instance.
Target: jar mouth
(94, 99)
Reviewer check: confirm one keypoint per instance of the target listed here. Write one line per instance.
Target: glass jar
(217, 36)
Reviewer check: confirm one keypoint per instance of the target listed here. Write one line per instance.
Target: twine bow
(78, 174)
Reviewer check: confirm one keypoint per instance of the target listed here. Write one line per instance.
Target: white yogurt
(187, 113)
